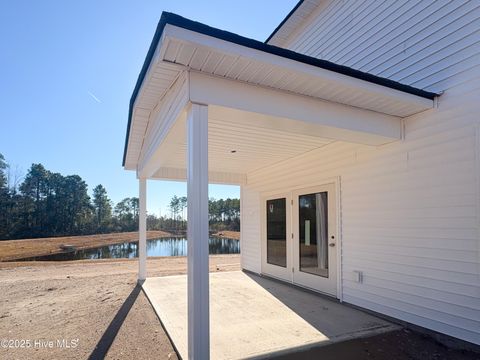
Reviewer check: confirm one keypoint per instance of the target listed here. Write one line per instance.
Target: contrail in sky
(94, 97)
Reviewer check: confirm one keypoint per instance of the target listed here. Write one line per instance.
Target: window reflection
(313, 230)
(276, 232)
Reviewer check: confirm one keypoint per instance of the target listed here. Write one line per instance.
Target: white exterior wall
(410, 211)
(409, 214)
(250, 245)
(428, 44)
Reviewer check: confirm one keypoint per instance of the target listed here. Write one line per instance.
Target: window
(277, 232)
(313, 222)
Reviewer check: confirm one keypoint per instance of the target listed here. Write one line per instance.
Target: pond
(174, 246)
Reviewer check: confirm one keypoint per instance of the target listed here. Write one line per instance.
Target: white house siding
(425, 43)
(250, 229)
(409, 214)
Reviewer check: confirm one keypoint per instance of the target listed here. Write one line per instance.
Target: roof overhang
(180, 44)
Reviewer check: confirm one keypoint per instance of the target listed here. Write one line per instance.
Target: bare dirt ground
(25, 248)
(98, 303)
(86, 300)
(229, 234)
(403, 344)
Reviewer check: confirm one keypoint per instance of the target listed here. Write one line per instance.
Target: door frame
(288, 194)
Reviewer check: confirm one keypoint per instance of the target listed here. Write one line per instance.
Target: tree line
(224, 214)
(44, 204)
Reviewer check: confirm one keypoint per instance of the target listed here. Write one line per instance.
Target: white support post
(142, 230)
(197, 214)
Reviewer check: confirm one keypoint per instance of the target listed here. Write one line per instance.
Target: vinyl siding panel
(409, 214)
(426, 44)
(250, 246)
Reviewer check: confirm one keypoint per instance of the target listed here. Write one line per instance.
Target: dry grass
(19, 249)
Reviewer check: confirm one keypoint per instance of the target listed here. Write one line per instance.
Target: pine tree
(103, 208)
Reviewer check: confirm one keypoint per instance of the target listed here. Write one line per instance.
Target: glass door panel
(313, 233)
(277, 232)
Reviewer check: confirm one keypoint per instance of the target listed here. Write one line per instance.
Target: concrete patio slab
(253, 316)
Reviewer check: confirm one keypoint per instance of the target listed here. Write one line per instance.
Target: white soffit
(158, 81)
(180, 49)
(221, 58)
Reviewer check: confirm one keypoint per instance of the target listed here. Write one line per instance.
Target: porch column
(142, 230)
(197, 232)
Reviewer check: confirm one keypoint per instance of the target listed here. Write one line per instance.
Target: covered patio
(256, 317)
(214, 107)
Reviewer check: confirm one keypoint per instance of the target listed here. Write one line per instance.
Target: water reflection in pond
(175, 246)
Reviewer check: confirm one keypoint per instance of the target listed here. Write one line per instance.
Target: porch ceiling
(181, 44)
(238, 142)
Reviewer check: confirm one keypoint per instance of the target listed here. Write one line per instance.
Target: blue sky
(68, 68)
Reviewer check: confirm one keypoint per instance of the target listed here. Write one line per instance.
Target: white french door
(314, 238)
(299, 237)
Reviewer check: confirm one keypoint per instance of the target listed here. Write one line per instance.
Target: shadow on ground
(327, 315)
(103, 345)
